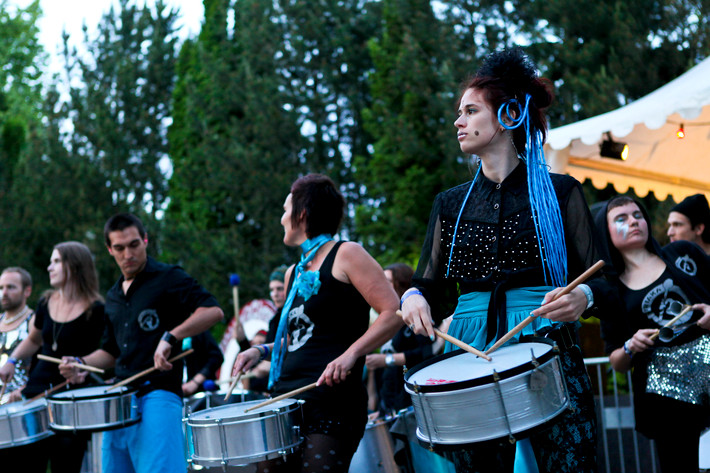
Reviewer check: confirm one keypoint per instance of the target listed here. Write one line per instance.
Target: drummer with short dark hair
(150, 310)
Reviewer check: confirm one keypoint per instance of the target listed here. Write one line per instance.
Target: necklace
(56, 335)
(17, 317)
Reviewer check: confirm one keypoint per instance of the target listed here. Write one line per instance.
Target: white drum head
(91, 392)
(20, 406)
(236, 411)
(467, 366)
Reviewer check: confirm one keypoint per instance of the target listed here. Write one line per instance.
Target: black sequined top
(496, 243)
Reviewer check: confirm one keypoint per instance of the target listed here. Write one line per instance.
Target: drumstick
(232, 386)
(283, 396)
(147, 371)
(567, 289)
(457, 342)
(73, 363)
(672, 321)
(48, 392)
(2, 390)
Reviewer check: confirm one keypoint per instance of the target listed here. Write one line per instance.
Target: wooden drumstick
(73, 363)
(2, 390)
(233, 385)
(457, 342)
(675, 319)
(147, 371)
(566, 290)
(48, 392)
(295, 392)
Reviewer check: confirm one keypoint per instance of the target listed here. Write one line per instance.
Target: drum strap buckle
(561, 334)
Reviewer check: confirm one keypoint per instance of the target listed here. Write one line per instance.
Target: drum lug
(533, 359)
(424, 411)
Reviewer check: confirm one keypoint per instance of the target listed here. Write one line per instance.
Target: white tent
(658, 160)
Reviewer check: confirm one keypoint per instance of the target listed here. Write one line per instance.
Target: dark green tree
(121, 106)
(235, 147)
(411, 118)
(325, 70)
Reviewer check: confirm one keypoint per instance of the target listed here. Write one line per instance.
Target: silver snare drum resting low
(459, 398)
(22, 424)
(226, 435)
(93, 409)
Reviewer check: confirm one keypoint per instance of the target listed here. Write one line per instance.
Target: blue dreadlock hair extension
(543, 201)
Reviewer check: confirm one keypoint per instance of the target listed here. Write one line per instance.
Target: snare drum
(226, 435)
(22, 424)
(459, 398)
(93, 409)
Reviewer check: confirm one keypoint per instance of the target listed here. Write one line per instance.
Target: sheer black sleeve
(429, 278)
(583, 252)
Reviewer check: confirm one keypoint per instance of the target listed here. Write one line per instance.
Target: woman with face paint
(671, 374)
(501, 246)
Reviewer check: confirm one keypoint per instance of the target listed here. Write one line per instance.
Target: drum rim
(484, 380)
(62, 396)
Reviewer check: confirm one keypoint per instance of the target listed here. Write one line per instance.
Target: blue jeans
(155, 444)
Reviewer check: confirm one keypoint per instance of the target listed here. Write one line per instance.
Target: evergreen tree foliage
(121, 104)
(411, 119)
(21, 57)
(325, 70)
(235, 147)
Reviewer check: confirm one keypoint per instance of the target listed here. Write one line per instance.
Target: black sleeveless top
(78, 337)
(320, 330)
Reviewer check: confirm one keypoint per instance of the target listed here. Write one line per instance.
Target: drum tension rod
(496, 380)
(426, 421)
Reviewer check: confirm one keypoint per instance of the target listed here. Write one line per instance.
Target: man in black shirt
(150, 309)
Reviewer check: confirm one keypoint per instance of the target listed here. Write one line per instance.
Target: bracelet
(12, 360)
(588, 294)
(170, 338)
(79, 360)
(266, 351)
(262, 351)
(627, 350)
(407, 294)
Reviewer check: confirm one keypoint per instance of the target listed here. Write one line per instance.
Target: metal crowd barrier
(620, 449)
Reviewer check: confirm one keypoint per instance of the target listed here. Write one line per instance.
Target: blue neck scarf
(305, 284)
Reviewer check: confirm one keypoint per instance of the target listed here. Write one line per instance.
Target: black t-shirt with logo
(160, 298)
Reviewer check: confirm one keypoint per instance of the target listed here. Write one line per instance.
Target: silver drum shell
(225, 435)
(23, 424)
(93, 409)
(456, 416)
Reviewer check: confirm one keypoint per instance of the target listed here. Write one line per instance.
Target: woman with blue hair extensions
(501, 246)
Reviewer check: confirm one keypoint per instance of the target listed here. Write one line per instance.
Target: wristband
(389, 360)
(262, 351)
(588, 294)
(12, 360)
(266, 351)
(79, 360)
(170, 338)
(407, 294)
(627, 350)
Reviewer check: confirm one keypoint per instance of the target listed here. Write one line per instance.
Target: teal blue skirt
(470, 320)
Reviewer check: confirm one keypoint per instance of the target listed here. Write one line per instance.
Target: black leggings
(318, 453)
